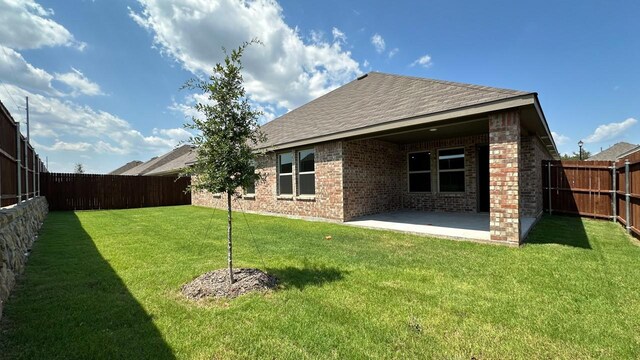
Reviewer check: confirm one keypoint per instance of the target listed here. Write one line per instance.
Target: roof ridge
(460, 84)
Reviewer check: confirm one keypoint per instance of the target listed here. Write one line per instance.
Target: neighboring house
(384, 143)
(614, 152)
(152, 166)
(125, 167)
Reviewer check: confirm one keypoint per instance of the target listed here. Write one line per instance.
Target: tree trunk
(229, 243)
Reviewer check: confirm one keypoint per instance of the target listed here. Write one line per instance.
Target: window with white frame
(306, 172)
(419, 166)
(285, 174)
(451, 170)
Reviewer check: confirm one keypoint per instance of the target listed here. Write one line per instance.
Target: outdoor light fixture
(580, 143)
(433, 129)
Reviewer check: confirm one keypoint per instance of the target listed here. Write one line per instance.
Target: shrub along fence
(20, 166)
(600, 189)
(92, 192)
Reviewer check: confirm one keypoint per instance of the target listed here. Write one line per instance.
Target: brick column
(504, 143)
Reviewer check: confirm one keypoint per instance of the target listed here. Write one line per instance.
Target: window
(419, 164)
(451, 170)
(306, 172)
(285, 174)
(251, 189)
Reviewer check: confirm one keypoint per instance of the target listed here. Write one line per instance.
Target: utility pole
(26, 156)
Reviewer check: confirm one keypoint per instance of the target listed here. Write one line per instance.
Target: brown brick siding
(504, 144)
(532, 153)
(326, 204)
(372, 177)
(442, 201)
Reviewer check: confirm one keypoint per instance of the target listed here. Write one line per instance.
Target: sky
(104, 77)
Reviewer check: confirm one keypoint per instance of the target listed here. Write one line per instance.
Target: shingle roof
(174, 166)
(613, 152)
(156, 162)
(125, 167)
(375, 99)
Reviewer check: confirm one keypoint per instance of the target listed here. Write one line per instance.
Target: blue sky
(103, 77)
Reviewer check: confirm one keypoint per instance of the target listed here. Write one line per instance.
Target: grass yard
(105, 284)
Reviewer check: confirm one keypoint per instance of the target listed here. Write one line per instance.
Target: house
(386, 143)
(613, 152)
(125, 167)
(167, 164)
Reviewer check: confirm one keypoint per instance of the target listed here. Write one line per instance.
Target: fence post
(627, 195)
(19, 163)
(549, 185)
(614, 194)
(33, 171)
(26, 169)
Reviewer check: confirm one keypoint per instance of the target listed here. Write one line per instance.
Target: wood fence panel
(93, 192)
(588, 188)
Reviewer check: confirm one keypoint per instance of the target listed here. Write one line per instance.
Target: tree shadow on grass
(71, 304)
(299, 278)
(560, 229)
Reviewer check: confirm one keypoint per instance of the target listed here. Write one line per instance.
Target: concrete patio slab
(469, 226)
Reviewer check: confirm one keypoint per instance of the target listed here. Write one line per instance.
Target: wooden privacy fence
(92, 192)
(600, 189)
(20, 166)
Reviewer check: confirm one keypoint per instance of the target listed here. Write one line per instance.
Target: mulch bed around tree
(215, 284)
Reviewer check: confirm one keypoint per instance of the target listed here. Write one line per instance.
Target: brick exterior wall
(504, 154)
(362, 177)
(326, 204)
(442, 201)
(372, 177)
(532, 153)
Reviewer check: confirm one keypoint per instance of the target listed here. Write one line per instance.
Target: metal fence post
(627, 194)
(549, 185)
(33, 171)
(19, 163)
(614, 194)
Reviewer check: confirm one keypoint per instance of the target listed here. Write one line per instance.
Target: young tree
(226, 131)
(78, 168)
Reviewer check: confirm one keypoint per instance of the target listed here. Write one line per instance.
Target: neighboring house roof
(125, 167)
(176, 165)
(614, 152)
(632, 151)
(375, 99)
(159, 161)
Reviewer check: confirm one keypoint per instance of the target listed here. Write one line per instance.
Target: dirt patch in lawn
(215, 284)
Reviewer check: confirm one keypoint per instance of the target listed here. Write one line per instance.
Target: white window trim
(463, 169)
(409, 172)
(306, 172)
(279, 193)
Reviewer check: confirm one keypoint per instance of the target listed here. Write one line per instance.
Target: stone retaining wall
(19, 227)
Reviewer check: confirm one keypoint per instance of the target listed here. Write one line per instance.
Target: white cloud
(424, 61)
(25, 24)
(62, 125)
(366, 64)
(610, 131)
(559, 138)
(79, 83)
(285, 71)
(16, 70)
(67, 146)
(338, 35)
(393, 52)
(378, 42)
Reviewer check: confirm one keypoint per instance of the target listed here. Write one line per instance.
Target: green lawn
(105, 284)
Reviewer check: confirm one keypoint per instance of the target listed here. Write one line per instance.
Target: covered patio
(467, 226)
